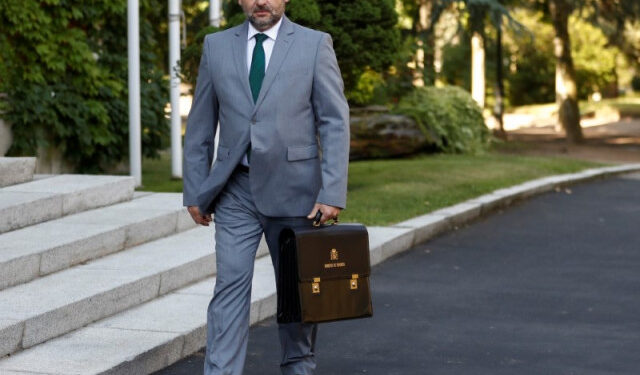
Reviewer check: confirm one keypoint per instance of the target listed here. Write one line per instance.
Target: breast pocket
(302, 152)
(294, 75)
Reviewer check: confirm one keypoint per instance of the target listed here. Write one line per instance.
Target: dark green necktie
(256, 73)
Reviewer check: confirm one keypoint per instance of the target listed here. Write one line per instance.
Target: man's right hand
(198, 217)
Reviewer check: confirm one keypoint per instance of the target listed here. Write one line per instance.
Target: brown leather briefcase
(323, 274)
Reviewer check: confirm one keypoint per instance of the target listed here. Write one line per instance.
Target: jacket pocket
(223, 152)
(302, 152)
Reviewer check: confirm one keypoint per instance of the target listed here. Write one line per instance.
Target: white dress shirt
(267, 44)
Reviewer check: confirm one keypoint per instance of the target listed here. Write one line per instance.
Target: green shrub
(449, 117)
(366, 88)
(64, 73)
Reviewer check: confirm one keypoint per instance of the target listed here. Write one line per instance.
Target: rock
(372, 109)
(376, 135)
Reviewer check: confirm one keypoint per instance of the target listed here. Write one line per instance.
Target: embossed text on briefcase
(323, 274)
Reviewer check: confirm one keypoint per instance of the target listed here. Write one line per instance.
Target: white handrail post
(214, 13)
(174, 82)
(133, 42)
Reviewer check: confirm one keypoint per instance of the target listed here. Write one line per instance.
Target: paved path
(614, 142)
(548, 286)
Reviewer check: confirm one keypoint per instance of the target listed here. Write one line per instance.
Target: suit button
(253, 122)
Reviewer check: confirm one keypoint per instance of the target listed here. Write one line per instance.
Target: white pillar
(133, 43)
(174, 82)
(477, 69)
(214, 13)
(214, 20)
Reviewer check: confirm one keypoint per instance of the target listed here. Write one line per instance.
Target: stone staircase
(97, 279)
(86, 262)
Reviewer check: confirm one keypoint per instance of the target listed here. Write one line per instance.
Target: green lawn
(156, 175)
(384, 192)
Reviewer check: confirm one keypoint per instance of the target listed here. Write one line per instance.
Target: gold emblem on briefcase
(333, 255)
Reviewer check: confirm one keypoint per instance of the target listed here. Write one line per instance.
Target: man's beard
(263, 24)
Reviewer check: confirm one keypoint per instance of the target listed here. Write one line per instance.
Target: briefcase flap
(332, 252)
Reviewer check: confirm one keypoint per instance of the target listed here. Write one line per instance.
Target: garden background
(449, 99)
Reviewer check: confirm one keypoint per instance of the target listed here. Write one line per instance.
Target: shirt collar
(271, 32)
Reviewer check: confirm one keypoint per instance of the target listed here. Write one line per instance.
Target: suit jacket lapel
(280, 50)
(240, 57)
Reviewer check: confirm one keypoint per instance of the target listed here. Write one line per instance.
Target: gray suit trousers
(238, 230)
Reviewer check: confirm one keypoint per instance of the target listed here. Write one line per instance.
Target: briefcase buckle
(315, 286)
(354, 281)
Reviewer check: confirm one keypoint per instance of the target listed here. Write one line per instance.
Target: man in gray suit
(275, 89)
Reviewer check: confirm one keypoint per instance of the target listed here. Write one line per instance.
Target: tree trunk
(566, 87)
(425, 70)
(498, 109)
(477, 68)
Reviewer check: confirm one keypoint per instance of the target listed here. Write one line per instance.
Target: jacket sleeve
(202, 123)
(332, 123)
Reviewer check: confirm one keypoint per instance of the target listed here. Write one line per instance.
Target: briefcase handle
(316, 220)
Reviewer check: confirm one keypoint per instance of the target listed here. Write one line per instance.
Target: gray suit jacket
(298, 127)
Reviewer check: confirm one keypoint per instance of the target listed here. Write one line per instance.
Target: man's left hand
(328, 212)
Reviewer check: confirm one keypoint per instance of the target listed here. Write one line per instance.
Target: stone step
(142, 339)
(49, 198)
(53, 305)
(155, 334)
(15, 170)
(44, 248)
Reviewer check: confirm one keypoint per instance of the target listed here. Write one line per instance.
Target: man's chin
(263, 23)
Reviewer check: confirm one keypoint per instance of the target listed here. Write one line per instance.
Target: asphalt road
(551, 285)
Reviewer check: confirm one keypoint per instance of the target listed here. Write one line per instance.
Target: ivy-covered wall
(63, 69)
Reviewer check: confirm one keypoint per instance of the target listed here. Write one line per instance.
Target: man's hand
(328, 212)
(197, 217)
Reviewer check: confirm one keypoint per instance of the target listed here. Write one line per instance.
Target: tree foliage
(529, 61)
(619, 21)
(364, 35)
(364, 32)
(64, 75)
(532, 76)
